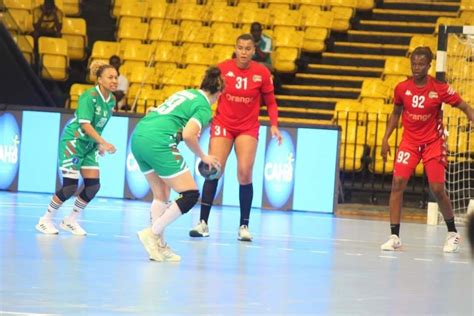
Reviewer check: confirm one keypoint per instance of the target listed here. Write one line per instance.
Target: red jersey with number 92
(422, 116)
(238, 106)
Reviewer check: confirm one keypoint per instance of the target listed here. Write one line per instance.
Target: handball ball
(208, 174)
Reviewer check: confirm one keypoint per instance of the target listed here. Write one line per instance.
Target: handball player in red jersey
(236, 124)
(418, 101)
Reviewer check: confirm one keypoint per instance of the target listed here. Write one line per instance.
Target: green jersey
(93, 108)
(173, 115)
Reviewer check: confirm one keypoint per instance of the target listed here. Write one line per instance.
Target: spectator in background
(263, 51)
(47, 20)
(263, 45)
(122, 88)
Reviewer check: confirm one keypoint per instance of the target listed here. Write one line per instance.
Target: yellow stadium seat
(74, 32)
(320, 3)
(467, 5)
(284, 36)
(200, 34)
(284, 59)
(137, 8)
(285, 17)
(104, 49)
(196, 72)
(145, 75)
(350, 157)
(58, 3)
(198, 55)
(18, 20)
(287, 2)
(365, 5)
(343, 3)
(138, 52)
(343, 12)
(349, 110)
(71, 7)
(177, 77)
(131, 29)
(224, 34)
(222, 52)
(26, 45)
(399, 66)
(375, 89)
(467, 17)
(27, 5)
(163, 30)
(190, 12)
(314, 39)
(318, 19)
(250, 16)
(163, 67)
(352, 132)
(168, 90)
(54, 59)
(423, 40)
(76, 90)
(162, 10)
(223, 13)
(167, 53)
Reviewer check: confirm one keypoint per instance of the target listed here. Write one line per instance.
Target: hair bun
(95, 65)
(213, 72)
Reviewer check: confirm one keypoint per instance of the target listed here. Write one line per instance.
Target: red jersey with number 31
(238, 106)
(422, 116)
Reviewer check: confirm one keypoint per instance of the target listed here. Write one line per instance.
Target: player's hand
(385, 150)
(276, 134)
(211, 160)
(106, 147)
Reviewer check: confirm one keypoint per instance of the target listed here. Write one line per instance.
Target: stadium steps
(351, 57)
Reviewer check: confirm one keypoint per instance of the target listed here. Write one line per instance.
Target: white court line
(19, 313)
(423, 259)
(460, 262)
(92, 234)
(388, 257)
(353, 254)
(220, 244)
(320, 252)
(189, 241)
(122, 236)
(250, 246)
(286, 249)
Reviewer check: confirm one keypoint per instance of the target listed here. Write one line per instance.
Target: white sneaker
(244, 233)
(46, 226)
(73, 227)
(200, 230)
(168, 254)
(392, 244)
(452, 242)
(150, 242)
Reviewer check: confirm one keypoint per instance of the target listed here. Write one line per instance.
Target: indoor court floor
(299, 263)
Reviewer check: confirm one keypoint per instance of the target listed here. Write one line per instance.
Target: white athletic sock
(157, 209)
(52, 208)
(79, 206)
(169, 216)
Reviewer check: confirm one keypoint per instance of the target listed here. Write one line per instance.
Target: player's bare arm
(391, 125)
(191, 137)
(467, 109)
(103, 144)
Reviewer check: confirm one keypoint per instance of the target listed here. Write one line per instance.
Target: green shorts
(158, 155)
(74, 155)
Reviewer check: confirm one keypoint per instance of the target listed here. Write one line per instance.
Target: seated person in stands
(263, 45)
(263, 51)
(122, 88)
(47, 20)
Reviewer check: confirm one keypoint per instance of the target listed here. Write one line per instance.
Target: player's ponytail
(212, 81)
(97, 67)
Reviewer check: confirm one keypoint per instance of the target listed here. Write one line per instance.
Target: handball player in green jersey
(79, 149)
(154, 145)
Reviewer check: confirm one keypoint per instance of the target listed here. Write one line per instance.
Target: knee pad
(187, 200)
(68, 189)
(91, 187)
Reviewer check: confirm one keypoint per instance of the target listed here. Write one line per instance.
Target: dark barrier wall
(18, 83)
(300, 174)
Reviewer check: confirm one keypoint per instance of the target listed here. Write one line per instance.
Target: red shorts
(219, 129)
(433, 156)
